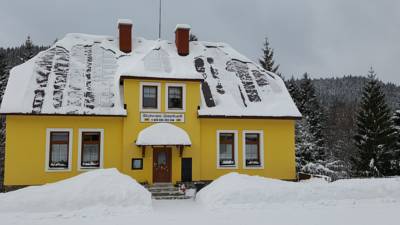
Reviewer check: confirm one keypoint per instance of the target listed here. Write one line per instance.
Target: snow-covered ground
(373, 201)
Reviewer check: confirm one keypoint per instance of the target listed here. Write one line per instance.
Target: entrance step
(166, 191)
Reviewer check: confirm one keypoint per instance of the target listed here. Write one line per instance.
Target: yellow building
(157, 111)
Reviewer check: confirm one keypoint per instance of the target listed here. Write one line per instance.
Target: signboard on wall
(162, 117)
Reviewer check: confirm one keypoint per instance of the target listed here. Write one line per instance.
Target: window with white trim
(226, 149)
(90, 152)
(175, 97)
(59, 142)
(253, 148)
(150, 96)
(58, 149)
(90, 148)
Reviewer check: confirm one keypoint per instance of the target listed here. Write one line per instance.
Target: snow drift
(103, 187)
(243, 191)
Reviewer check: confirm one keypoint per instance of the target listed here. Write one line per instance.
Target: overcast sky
(325, 38)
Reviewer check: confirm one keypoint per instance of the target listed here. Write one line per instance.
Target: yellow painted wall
(26, 146)
(132, 126)
(26, 140)
(279, 153)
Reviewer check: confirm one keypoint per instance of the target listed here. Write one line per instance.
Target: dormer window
(150, 96)
(175, 97)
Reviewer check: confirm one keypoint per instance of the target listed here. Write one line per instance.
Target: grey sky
(322, 37)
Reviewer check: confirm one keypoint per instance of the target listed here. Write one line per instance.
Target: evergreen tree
(396, 153)
(267, 60)
(3, 75)
(29, 50)
(309, 106)
(193, 37)
(3, 81)
(375, 138)
(293, 90)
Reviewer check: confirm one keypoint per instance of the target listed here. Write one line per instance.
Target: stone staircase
(166, 191)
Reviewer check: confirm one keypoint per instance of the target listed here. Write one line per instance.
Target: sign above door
(162, 117)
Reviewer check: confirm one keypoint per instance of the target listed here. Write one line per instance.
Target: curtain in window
(252, 150)
(90, 149)
(59, 149)
(226, 149)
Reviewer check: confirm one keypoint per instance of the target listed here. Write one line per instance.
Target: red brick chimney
(182, 39)
(125, 35)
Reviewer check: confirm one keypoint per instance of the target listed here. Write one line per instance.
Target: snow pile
(243, 191)
(163, 134)
(103, 187)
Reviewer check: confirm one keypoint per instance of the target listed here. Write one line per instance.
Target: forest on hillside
(332, 108)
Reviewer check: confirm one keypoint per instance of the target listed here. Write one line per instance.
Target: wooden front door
(162, 168)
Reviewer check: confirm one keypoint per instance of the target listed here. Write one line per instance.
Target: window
(227, 148)
(150, 96)
(59, 141)
(137, 163)
(175, 97)
(253, 148)
(90, 148)
(58, 149)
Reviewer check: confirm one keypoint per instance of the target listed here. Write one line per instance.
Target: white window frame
(48, 131)
(261, 144)
(81, 168)
(183, 86)
(158, 85)
(235, 141)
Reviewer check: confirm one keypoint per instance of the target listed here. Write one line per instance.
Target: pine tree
(267, 60)
(310, 144)
(396, 153)
(3, 82)
(375, 138)
(293, 90)
(193, 37)
(309, 106)
(3, 75)
(29, 50)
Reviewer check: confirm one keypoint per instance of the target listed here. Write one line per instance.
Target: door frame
(168, 150)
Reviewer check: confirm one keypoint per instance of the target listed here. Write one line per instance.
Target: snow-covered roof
(163, 134)
(80, 75)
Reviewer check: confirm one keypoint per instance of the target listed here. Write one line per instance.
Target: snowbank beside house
(103, 187)
(243, 191)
